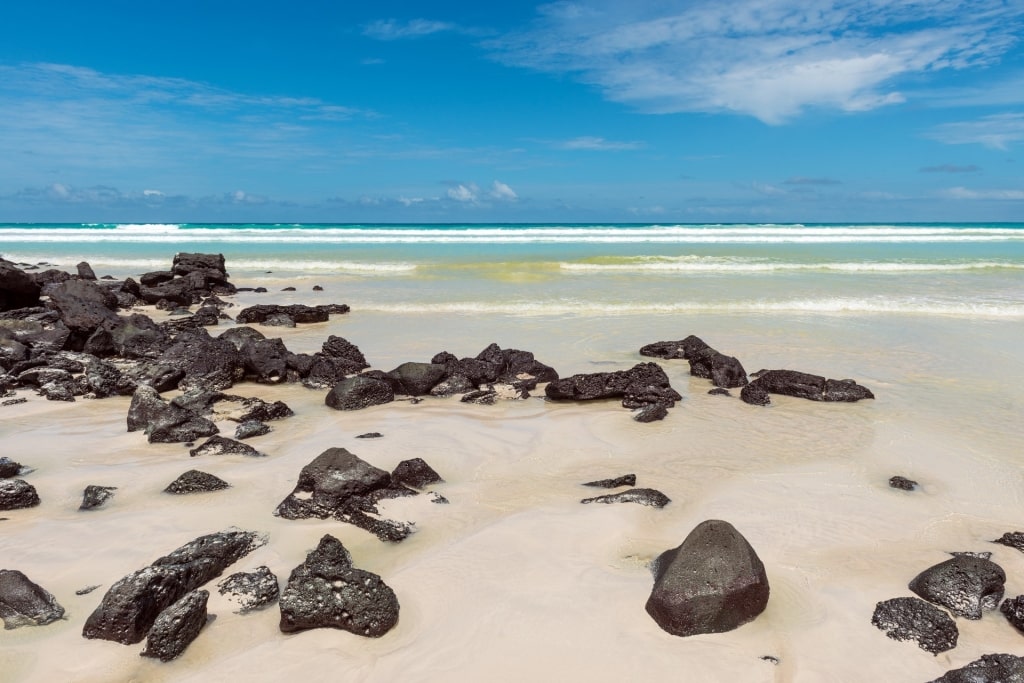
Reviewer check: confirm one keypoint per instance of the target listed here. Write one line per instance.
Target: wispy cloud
(997, 131)
(801, 180)
(392, 29)
(596, 144)
(464, 193)
(771, 59)
(950, 168)
(502, 192)
(998, 194)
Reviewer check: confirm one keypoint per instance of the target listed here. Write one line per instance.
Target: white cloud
(392, 29)
(463, 193)
(152, 193)
(996, 131)
(598, 144)
(502, 192)
(966, 193)
(771, 59)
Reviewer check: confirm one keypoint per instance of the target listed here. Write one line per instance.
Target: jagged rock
(177, 626)
(724, 371)
(643, 385)
(1013, 610)
(361, 391)
(251, 590)
(999, 668)
(190, 430)
(914, 619)
(803, 385)
(219, 445)
(650, 497)
(327, 591)
(265, 360)
(341, 348)
(624, 480)
(165, 422)
(195, 481)
(9, 468)
(482, 397)
(84, 306)
(651, 412)
(241, 335)
(329, 482)
(104, 379)
(755, 394)
(251, 428)
(17, 288)
(133, 603)
(320, 371)
(94, 496)
(370, 435)
(135, 336)
(24, 603)
(902, 483)
(258, 409)
(713, 582)
(416, 473)
(279, 320)
(1012, 539)
(436, 497)
(17, 494)
(984, 555)
(964, 585)
(85, 271)
(454, 384)
(214, 361)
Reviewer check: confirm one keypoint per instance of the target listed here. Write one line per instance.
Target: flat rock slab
(649, 497)
(712, 583)
(914, 619)
(326, 591)
(24, 603)
(624, 480)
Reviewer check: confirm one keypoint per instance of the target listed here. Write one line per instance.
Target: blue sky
(598, 110)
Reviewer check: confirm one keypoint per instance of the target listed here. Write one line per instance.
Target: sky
(583, 111)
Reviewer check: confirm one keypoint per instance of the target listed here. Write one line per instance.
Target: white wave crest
(733, 266)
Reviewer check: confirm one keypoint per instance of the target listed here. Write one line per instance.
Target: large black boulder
(361, 391)
(999, 668)
(25, 603)
(965, 585)
(265, 360)
(803, 385)
(327, 591)
(204, 359)
(18, 289)
(84, 306)
(415, 472)
(329, 483)
(177, 626)
(133, 603)
(713, 582)
(914, 619)
(135, 336)
(416, 379)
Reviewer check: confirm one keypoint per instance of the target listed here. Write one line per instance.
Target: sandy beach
(515, 579)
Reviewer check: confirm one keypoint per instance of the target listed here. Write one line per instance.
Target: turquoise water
(536, 269)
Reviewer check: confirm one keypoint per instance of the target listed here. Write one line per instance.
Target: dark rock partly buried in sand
(327, 591)
(17, 494)
(1013, 610)
(219, 445)
(713, 582)
(9, 468)
(24, 603)
(195, 481)
(964, 585)
(1000, 668)
(649, 497)
(723, 371)
(902, 483)
(361, 391)
(624, 480)
(914, 619)
(94, 496)
(416, 379)
(251, 590)
(177, 626)
(251, 428)
(133, 603)
(416, 473)
(1012, 539)
(163, 421)
(802, 385)
(643, 385)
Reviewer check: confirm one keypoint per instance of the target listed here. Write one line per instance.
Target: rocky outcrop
(965, 585)
(646, 384)
(713, 582)
(133, 603)
(914, 619)
(326, 591)
(251, 590)
(648, 497)
(802, 385)
(17, 494)
(1012, 539)
(24, 603)
(177, 626)
(9, 468)
(723, 371)
(493, 365)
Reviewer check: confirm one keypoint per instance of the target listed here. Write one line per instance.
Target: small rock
(95, 496)
(416, 473)
(902, 483)
(370, 435)
(13, 401)
(251, 428)
(17, 494)
(195, 481)
(177, 626)
(87, 589)
(317, 288)
(9, 468)
(24, 603)
(624, 480)
(720, 391)
(649, 497)
(1013, 610)
(436, 497)
(251, 590)
(914, 619)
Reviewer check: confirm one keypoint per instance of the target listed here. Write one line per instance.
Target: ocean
(514, 579)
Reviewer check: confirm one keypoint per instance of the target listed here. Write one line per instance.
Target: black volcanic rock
(1012, 539)
(251, 590)
(649, 497)
(327, 591)
(965, 585)
(177, 626)
(643, 385)
(8, 468)
(713, 582)
(998, 668)
(84, 306)
(361, 391)
(195, 481)
(300, 313)
(416, 473)
(94, 496)
(219, 445)
(724, 371)
(251, 428)
(24, 603)
(416, 379)
(624, 480)
(914, 619)
(17, 288)
(803, 385)
(902, 483)
(1013, 610)
(17, 494)
(329, 482)
(133, 603)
